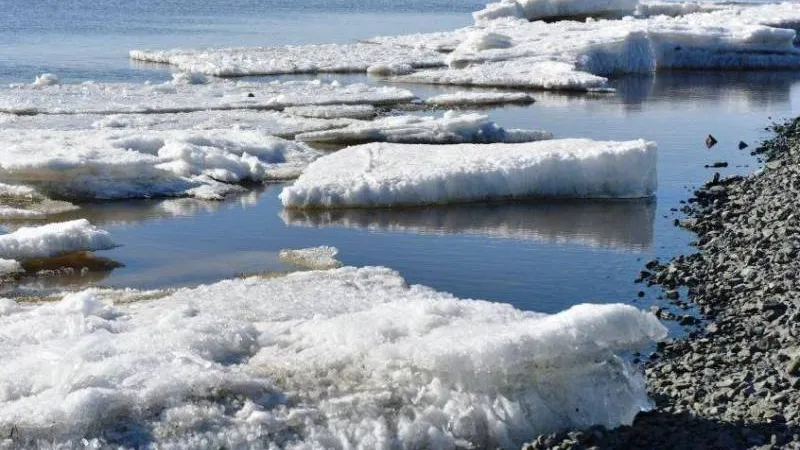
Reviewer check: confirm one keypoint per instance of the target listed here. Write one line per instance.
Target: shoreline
(733, 382)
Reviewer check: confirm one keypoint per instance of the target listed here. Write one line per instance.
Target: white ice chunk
(471, 98)
(452, 128)
(379, 175)
(348, 358)
(130, 164)
(292, 58)
(189, 78)
(53, 239)
(314, 258)
(8, 267)
(110, 98)
(46, 79)
(555, 9)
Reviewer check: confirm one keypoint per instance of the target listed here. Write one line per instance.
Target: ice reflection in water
(626, 225)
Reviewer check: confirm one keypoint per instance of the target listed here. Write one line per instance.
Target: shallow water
(537, 256)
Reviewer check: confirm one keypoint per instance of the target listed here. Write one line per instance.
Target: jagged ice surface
(53, 240)
(132, 164)
(451, 128)
(379, 175)
(348, 358)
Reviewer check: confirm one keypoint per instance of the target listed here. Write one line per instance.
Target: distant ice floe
(171, 97)
(381, 175)
(314, 258)
(293, 59)
(505, 49)
(49, 241)
(336, 359)
(452, 128)
(472, 99)
(100, 164)
(624, 225)
(555, 9)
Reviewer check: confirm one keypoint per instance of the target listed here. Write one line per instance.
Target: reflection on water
(611, 224)
(58, 273)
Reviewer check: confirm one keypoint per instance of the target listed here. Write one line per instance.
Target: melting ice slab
(348, 358)
(141, 164)
(50, 240)
(380, 175)
(171, 97)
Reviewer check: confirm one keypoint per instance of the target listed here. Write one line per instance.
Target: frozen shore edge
(734, 381)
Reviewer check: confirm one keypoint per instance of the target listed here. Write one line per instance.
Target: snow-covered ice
(132, 164)
(380, 174)
(624, 225)
(347, 358)
(555, 9)
(452, 128)
(281, 124)
(504, 49)
(292, 59)
(171, 97)
(314, 258)
(53, 240)
(478, 98)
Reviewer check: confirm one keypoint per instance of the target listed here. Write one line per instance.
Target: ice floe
(624, 225)
(347, 358)
(451, 128)
(292, 59)
(280, 124)
(110, 98)
(477, 98)
(315, 258)
(380, 175)
(100, 164)
(504, 49)
(53, 240)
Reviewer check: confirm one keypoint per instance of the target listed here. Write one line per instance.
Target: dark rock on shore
(734, 381)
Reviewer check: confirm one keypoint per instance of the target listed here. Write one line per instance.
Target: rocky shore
(734, 381)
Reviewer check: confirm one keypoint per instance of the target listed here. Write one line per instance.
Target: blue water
(538, 256)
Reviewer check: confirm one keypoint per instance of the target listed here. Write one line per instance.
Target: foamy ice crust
(382, 174)
(347, 358)
(505, 49)
(109, 164)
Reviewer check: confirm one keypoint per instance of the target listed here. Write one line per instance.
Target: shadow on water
(626, 225)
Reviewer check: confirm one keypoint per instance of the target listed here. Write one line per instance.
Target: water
(538, 256)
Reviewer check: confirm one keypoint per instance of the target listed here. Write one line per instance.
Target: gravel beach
(734, 380)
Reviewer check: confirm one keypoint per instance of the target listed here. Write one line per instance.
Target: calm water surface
(539, 256)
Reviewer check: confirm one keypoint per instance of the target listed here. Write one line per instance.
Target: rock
(710, 141)
(742, 145)
(717, 164)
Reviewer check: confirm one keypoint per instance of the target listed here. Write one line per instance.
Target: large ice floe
(505, 49)
(171, 97)
(347, 358)
(452, 128)
(101, 164)
(293, 59)
(380, 175)
(48, 241)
